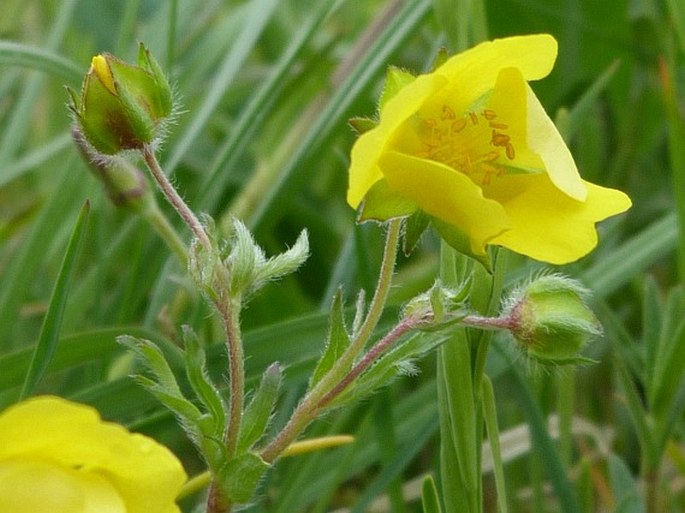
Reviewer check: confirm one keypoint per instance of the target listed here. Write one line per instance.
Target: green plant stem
(403, 327)
(234, 345)
(310, 405)
(382, 288)
(173, 197)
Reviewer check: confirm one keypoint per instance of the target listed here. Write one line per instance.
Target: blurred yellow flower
(60, 457)
(471, 146)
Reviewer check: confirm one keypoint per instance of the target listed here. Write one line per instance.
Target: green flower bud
(125, 184)
(550, 320)
(121, 106)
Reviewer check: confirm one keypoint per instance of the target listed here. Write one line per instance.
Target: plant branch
(173, 197)
(309, 407)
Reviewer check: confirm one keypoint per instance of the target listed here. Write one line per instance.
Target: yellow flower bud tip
(99, 66)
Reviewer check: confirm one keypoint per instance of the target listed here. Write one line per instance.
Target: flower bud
(125, 184)
(550, 320)
(122, 106)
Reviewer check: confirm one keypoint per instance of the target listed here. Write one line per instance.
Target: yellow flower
(60, 457)
(471, 146)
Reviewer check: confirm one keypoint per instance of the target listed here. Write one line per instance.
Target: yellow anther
(459, 125)
(489, 114)
(447, 113)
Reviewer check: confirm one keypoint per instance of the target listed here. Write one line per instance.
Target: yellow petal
(101, 68)
(364, 170)
(29, 486)
(509, 104)
(73, 435)
(472, 73)
(548, 225)
(444, 193)
(545, 140)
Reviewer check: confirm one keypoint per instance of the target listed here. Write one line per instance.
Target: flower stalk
(333, 382)
(173, 197)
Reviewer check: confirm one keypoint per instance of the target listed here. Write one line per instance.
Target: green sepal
(165, 97)
(362, 125)
(258, 413)
(414, 226)
(381, 203)
(460, 241)
(198, 377)
(100, 115)
(429, 496)
(239, 477)
(337, 341)
(395, 80)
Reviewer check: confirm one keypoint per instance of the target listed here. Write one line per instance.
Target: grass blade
(49, 333)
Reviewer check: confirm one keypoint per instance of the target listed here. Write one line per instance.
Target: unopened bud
(551, 321)
(121, 106)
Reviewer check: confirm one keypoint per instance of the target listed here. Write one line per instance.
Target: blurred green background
(265, 89)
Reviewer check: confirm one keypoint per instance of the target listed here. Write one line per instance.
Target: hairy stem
(311, 404)
(173, 197)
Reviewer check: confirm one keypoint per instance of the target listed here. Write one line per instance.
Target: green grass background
(266, 87)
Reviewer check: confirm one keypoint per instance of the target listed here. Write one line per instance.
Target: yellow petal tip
(99, 65)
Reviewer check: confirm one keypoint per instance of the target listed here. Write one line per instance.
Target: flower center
(475, 143)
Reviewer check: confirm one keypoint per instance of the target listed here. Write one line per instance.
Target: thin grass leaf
(259, 104)
(626, 493)
(258, 14)
(17, 54)
(544, 446)
(402, 26)
(52, 323)
(632, 257)
(490, 416)
(21, 271)
(17, 126)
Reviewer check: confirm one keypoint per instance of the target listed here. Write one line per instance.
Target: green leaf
(258, 413)
(239, 477)
(52, 323)
(205, 390)
(392, 364)
(337, 341)
(626, 493)
(429, 496)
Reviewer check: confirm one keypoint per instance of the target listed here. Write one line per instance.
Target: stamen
(489, 114)
(447, 113)
(459, 125)
(499, 139)
(501, 126)
(510, 151)
(474, 118)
